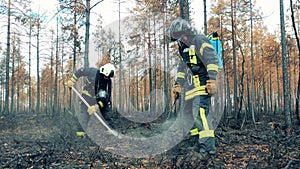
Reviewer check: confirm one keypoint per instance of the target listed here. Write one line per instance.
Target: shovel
(115, 133)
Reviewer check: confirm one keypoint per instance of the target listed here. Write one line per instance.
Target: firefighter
(102, 90)
(88, 93)
(196, 78)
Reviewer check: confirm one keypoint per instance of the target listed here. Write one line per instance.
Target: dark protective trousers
(203, 127)
(84, 117)
(198, 107)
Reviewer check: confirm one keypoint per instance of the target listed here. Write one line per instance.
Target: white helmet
(107, 70)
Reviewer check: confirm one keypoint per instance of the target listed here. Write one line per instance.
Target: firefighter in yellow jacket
(196, 75)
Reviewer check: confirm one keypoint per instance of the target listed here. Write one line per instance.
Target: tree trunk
(150, 67)
(266, 110)
(184, 9)
(298, 46)
(253, 94)
(205, 17)
(145, 103)
(242, 87)
(234, 64)
(29, 67)
(165, 80)
(75, 36)
(166, 52)
(64, 103)
(19, 76)
(13, 76)
(285, 68)
(51, 75)
(138, 94)
(87, 34)
(2, 91)
(6, 109)
(55, 105)
(270, 91)
(154, 68)
(120, 61)
(38, 67)
(278, 104)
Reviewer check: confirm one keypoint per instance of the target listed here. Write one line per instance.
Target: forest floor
(43, 141)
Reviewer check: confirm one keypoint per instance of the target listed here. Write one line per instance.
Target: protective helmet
(107, 70)
(178, 28)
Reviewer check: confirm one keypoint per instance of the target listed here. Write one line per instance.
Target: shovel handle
(97, 116)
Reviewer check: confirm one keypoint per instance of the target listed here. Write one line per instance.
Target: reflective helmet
(178, 28)
(107, 70)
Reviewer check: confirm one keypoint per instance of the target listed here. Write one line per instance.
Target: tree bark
(87, 34)
(29, 67)
(285, 68)
(298, 46)
(253, 93)
(38, 67)
(234, 64)
(12, 76)
(6, 108)
(205, 17)
(55, 105)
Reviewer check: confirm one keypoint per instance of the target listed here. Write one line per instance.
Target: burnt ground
(43, 141)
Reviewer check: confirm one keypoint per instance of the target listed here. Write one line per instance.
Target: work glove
(71, 82)
(177, 88)
(211, 87)
(92, 109)
(101, 104)
(177, 91)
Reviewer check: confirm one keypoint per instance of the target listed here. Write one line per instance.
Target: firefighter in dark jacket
(197, 73)
(102, 90)
(94, 77)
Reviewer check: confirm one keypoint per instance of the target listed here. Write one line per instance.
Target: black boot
(193, 143)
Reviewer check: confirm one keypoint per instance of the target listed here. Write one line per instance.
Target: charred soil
(44, 141)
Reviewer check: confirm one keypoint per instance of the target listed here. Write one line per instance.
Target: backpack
(216, 42)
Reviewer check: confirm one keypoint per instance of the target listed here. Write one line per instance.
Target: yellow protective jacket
(199, 63)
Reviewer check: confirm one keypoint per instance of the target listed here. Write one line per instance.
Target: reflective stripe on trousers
(199, 91)
(206, 132)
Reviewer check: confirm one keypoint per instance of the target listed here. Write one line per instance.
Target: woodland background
(261, 68)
